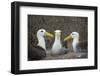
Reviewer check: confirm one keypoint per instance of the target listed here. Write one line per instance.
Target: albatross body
(57, 48)
(39, 51)
(76, 44)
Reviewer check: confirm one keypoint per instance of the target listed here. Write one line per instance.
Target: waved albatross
(38, 52)
(57, 48)
(77, 46)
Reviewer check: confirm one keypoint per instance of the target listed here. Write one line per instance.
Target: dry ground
(69, 55)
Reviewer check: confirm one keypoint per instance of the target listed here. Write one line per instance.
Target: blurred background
(66, 24)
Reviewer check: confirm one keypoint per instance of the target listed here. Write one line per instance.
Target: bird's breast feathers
(56, 47)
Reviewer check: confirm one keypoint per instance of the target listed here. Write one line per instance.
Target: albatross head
(57, 33)
(40, 35)
(74, 35)
(43, 32)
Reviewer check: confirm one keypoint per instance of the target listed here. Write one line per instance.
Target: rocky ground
(69, 55)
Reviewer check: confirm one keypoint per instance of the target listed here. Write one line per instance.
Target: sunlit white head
(57, 32)
(75, 35)
(41, 32)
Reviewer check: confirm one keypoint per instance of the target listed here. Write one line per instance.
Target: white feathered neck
(41, 41)
(75, 43)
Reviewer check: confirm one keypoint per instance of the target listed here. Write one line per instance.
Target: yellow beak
(67, 38)
(48, 34)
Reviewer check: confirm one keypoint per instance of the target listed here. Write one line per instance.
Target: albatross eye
(72, 34)
(41, 30)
